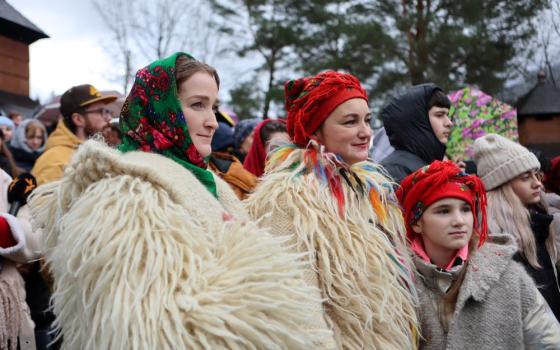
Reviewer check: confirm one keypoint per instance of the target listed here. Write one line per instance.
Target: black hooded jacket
(408, 126)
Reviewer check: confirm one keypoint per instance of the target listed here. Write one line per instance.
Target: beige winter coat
(16, 323)
(144, 257)
(498, 306)
(353, 259)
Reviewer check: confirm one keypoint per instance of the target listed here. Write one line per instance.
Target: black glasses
(102, 111)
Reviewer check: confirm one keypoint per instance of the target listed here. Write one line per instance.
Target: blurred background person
(28, 143)
(268, 134)
(243, 137)
(84, 114)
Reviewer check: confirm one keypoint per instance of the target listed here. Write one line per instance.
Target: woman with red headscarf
(472, 294)
(339, 211)
(269, 132)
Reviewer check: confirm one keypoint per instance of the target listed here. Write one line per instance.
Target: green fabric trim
(152, 120)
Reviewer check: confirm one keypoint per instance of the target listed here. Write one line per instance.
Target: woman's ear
(417, 227)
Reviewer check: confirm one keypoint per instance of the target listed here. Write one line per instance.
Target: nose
(365, 130)
(448, 122)
(458, 218)
(211, 122)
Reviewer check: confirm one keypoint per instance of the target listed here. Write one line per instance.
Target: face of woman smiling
(198, 96)
(346, 131)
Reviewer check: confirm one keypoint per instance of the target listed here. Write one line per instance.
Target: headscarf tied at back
(437, 181)
(152, 120)
(256, 157)
(310, 100)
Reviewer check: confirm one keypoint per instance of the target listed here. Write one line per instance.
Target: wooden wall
(14, 66)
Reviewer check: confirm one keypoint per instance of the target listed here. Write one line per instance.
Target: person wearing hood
(243, 137)
(227, 166)
(149, 249)
(418, 125)
(338, 210)
(473, 295)
(84, 114)
(28, 143)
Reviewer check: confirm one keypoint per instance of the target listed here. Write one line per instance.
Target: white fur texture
(135, 268)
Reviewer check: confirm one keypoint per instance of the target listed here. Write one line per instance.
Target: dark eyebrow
(203, 97)
(355, 115)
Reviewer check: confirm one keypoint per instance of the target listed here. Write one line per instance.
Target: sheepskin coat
(498, 306)
(352, 258)
(144, 257)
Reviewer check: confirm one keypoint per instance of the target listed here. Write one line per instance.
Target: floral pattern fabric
(475, 114)
(152, 120)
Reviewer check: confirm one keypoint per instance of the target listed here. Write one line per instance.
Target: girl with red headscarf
(337, 209)
(267, 132)
(472, 294)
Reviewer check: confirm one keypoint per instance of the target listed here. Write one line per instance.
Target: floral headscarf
(152, 120)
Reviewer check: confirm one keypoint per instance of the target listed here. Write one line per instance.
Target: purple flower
(483, 100)
(477, 123)
(478, 133)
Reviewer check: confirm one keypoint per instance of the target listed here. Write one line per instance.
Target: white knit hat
(499, 160)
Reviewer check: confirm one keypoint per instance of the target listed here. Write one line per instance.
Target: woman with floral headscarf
(473, 295)
(339, 211)
(149, 249)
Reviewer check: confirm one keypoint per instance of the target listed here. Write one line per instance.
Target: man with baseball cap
(84, 113)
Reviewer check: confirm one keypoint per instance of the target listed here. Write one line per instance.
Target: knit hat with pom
(499, 160)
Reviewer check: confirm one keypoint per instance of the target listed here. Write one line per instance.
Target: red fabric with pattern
(310, 100)
(441, 180)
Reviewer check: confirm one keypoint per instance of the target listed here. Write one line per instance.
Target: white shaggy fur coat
(144, 257)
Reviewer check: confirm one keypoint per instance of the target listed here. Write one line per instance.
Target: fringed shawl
(346, 219)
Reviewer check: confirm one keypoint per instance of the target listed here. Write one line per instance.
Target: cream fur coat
(144, 257)
(358, 262)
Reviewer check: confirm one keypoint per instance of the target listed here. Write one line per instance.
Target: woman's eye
(442, 211)
(197, 105)
(466, 209)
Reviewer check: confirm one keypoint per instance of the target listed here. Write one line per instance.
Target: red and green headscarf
(152, 120)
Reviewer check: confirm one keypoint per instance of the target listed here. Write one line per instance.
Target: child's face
(446, 226)
(34, 139)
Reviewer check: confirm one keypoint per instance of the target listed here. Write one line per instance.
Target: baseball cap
(78, 97)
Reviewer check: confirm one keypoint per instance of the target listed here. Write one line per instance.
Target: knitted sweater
(498, 306)
(352, 257)
(144, 257)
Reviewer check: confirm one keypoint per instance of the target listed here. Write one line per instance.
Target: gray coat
(498, 306)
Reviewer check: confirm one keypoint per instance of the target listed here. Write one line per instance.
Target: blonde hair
(506, 213)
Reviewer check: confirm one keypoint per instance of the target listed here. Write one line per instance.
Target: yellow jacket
(60, 147)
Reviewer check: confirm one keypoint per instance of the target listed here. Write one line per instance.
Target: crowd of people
(182, 228)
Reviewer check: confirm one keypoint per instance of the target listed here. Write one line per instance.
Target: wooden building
(16, 34)
(538, 117)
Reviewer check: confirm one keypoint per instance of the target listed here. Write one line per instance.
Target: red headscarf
(310, 100)
(552, 177)
(441, 180)
(256, 157)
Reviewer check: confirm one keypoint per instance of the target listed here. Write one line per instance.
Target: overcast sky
(74, 53)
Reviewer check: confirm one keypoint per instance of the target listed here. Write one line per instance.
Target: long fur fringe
(362, 262)
(10, 313)
(133, 270)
